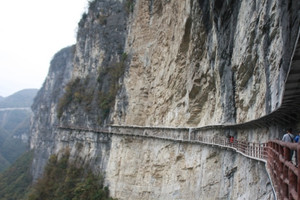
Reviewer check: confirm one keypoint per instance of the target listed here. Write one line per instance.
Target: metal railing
(257, 151)
(275, 153)
(285, 174)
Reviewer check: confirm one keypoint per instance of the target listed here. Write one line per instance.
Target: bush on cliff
(63, 180)
(106, 99)
(16, 180)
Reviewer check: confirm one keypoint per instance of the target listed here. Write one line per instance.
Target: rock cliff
(167, 63)
(206, 62)
(44, 120)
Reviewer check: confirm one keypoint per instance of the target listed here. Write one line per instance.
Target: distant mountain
(14, 133)
(23, 98)
(14, 126)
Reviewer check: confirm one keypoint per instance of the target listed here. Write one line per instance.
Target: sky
(31, 32)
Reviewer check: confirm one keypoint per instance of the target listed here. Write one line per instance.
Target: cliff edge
(168, 63)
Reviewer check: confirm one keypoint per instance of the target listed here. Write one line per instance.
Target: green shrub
(102, 19)
(68, 96)
(112, 73)
(75, 91)
(63, 180)
(129, 6)
(16, 180)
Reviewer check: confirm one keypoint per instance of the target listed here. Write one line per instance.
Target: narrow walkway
(275, 154)
(284, 174)
(256, 151)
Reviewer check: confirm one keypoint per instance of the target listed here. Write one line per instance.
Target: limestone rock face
(206, 62)
(99, 62)
(82, 81)
(178, 63)
(44, 120)
(138, 169)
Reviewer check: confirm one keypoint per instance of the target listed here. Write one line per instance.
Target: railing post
(280, 169)
(263, 155)
(286, 153)
(285, 173)
(269, 159)
(259, 150)
(248, 149)
(261, 146)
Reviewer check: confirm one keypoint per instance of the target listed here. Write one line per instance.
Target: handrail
(275, 153)
(251, 150)
(284, 173)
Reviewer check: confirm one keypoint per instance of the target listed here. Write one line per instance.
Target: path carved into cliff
(256, 151)
(287, 112)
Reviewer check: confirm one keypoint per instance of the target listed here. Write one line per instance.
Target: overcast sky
(31, 32)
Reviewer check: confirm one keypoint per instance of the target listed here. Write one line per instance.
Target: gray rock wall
(99, 62)
(206, 62)
(44, 120)
(167, 63)
(140, 168)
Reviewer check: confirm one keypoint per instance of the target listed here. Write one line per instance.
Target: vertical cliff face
(44, 120)
(169, 63)
(169, 170)
(207, 62)
(81, 85)
(99, 62)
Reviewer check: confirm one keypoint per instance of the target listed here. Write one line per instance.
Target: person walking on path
(289, 137)
(297, 137)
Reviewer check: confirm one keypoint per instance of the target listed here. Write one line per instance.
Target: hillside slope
(20, 99)
(15, 125)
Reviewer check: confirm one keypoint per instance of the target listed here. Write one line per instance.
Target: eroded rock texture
(179, 63)
(207, 62)
(44, 120)
(137, 169)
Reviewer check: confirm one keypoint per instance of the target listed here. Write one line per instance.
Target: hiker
(297, 137)
(289, 137)
(231, 140)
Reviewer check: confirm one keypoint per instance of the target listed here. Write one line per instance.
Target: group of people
(289, 137)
